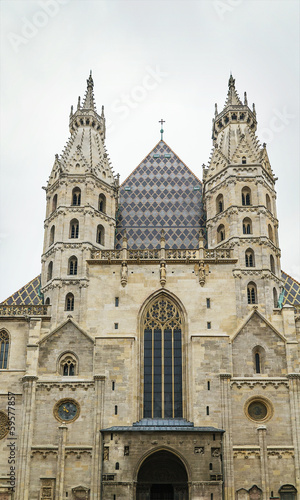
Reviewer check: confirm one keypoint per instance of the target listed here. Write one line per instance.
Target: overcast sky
(150, 60)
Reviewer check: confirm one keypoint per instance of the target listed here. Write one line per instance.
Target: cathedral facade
(157, 354)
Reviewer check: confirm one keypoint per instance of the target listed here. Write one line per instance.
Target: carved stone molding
(293, 376)
(65, 385)
(246, 453)
(263, 383)
(43, 452)
(280, 452)
(78, 452)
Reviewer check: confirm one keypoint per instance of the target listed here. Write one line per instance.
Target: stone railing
(184, 254)
(24, 310)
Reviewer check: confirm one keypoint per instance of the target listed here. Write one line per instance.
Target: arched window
(270, 232)
(247, 226)
(74, 228)
(268, 202)
(54, 202)
(258, 359)
(4, 348)
(244, 161)
(47, 301)
(72, 265)
(102, 203)
(69, 305)
(272, 264)
(50, 271)
(249, 258)
(100, 235)
(68, 365)
(246, 196)
(219, 203)
(252, 293)
(162, 325)
(52, 235)
(220, 233)
(275, 298)
(288, 492)
(76, 196)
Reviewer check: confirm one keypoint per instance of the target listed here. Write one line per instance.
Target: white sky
(47, 50)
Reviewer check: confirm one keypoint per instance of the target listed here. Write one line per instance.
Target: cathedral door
(162, 476)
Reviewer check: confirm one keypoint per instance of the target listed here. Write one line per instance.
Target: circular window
(258, 409)
(66, 410)
(4, 424)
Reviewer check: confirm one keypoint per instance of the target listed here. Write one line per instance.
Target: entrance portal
(162, 476)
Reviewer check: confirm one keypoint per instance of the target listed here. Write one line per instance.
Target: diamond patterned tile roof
(27, 295)
(291, 290)
(161, 193)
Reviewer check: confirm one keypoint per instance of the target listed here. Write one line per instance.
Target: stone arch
(162, 471)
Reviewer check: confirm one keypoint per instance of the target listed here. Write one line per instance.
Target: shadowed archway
(162, 476)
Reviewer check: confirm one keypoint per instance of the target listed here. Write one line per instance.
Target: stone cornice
(240, 168)
(262, 382)
(246, 209)
(64, 210)
(61, 385)
(253, 271)
(65, 178)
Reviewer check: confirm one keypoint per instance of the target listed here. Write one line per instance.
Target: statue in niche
(163, 274)
(124, 274)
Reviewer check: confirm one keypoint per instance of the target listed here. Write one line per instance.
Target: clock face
(66, 410)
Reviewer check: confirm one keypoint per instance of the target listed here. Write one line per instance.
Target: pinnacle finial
(245, 99)
(161, 130)
(231, 82)
(216, 109)
(78, 103)
(90, 81)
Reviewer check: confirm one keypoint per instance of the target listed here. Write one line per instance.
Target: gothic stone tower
(81, 209)
(240, 201)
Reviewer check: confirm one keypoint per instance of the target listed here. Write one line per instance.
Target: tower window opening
(100, 235)
(275, 298)
(208, 325)
(76, 197)
(249, 258)
(69, 305)
(207, 410)
(244, 161)
(116, 410)
(234, 116)
(4, 348)
(54, 202)
(247, 226)
(52, 235)
(50, 271)
(208, 303)
(257, 362)
(270, 233)
(219, 203)
(252, 293)
(272, 264)
(246, 196)
(208, 385)
(102, 203)
(258, 357)
(47, 301)
(268, 202)
(221, 233)
(210, 466)
(117, 466)
(74, 228)
(72, 265)
(116, 301)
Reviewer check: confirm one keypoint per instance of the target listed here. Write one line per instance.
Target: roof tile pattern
(291, 290)
(27, 295)
(161, 193)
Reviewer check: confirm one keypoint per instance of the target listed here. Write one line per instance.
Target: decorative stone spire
(232, 96)
(89, 101)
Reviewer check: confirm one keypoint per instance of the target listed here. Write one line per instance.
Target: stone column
(262, 441)
(61, 457)
(294, 390)
(97, 451)
(23, 471)
(227, 438)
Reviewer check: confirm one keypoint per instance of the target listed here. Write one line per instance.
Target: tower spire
(89, 101)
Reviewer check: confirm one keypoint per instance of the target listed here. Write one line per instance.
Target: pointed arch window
(69, 304)
(76, 196)
(47, 301)
(219, 203)
(4, 348)
(54, 202)
(246, 196)
(252, 293)
(74, 228)
(275, 298)
(258, 359)
(163, 360)
(220, 233)
(247, 226)
(72, 265)
(268, 202)
(270, 232)
(100, 235)
(50, 271)
(244, 160)
(68, 365)
(102, 203)
(52, 236)
(272, 264)
(249, 258)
